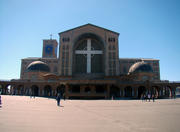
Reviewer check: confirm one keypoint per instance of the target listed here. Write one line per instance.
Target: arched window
(88, 56)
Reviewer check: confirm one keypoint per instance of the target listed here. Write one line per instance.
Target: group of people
(145, 97)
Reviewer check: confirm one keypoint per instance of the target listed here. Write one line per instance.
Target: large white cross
(88, 52)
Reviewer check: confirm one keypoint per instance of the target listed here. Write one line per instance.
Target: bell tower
(49, 48)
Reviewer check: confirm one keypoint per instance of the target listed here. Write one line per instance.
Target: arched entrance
(155, 91)
(10, 89)
(47, 91)
(88, 55)
(87, 90)
(100, 89)
(168, 91)
(35, 90)
(128, 91)
(20, 90)
(141, 91)
(114, 91)
(60, 89)
(1, 88)
(74, 89)
(177, 92)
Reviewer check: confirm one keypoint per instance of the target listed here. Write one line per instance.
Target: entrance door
(141, 90)
(35, 90)
(128, 91)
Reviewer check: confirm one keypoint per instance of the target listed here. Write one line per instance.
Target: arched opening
(88, 55)
(141, 91)
(47, 91)
(155, 91)
(177, 92)
(20, 90)
(74, 89)
(1, 88)
(9, 89)
(128, 91)
(35, 90)
(60, 89)
(167, 91)
(114, 91)
(100, 89)
(87, 90)
(27, 90)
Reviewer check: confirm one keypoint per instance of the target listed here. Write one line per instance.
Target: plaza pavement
(22, 114)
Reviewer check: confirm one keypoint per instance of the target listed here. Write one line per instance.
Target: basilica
(87, 66)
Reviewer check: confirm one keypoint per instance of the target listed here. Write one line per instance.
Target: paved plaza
(25, 114)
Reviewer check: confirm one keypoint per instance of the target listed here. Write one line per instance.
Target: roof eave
(91, 25)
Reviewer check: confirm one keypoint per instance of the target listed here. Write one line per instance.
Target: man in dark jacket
(58, 98)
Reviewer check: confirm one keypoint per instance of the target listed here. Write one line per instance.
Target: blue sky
(148, 29)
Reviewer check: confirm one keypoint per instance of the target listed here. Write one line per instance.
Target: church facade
(88, 66)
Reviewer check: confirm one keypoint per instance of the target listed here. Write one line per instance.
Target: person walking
(58, 98)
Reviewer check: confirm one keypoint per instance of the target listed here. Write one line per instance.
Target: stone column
(25, 89)
(40, 90)
(66, 91)
(132, 92)
(53, 90)
(161, 92)
(122, 92)
(173, 92)
(108, 92)
(135, 92)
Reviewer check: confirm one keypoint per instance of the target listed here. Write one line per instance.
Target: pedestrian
(149, 96)
(58, 98)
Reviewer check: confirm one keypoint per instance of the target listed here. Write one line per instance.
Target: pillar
(53, 90)
(174, 92)
(119, 91)
(66, 91)
(122, 92)
(161, 92)
(135, 92)
(108, 92)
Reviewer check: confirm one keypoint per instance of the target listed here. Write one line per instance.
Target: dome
(140, 67)
(38, 66)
